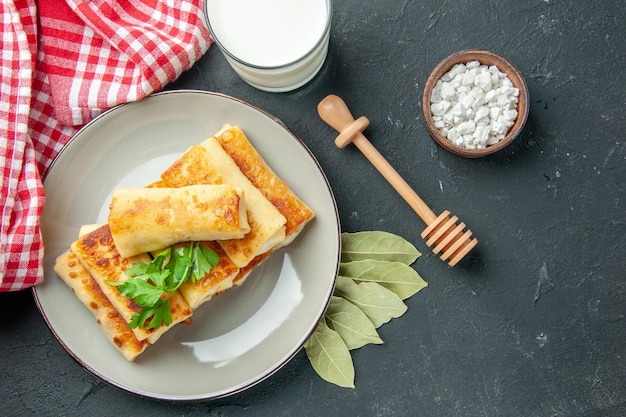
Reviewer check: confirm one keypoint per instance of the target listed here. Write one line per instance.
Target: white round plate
(235, 340)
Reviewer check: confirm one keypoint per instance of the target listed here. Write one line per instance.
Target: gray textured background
(533, 323)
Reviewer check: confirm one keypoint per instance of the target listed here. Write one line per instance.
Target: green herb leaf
(157, 263)
(142, 292)
(396, 276)
(352, 324)
(203, 260)
(138, 268)
(162, 314)
(152, 285)
(159, 314)
(180, 266)
(139, 318)
(330, 356)
(159, 278)
(377, 245)
(377, 302)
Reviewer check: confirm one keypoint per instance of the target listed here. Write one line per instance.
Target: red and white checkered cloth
(63, 63)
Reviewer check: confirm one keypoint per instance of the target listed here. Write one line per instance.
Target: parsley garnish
(152, 285)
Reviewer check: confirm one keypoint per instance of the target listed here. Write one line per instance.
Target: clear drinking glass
(273, 45)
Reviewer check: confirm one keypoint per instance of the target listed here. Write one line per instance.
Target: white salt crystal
(510, 114)
(496, 71)
(482, 112)
(492, 140)
(458, 110)
(477, 92)
(506, 90)
(483, 81)
(466, 100)
(474, 105)
(479, 102)
(440, 107)
(455, 70)
(498, 127)
(468, 78)
(457, 80)
(503, 101)
(491, 95)
(466, 127)
(453, 135)
(435, 95)
(447, 91)
(482, 134)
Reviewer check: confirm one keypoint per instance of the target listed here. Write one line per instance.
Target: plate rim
(293, 351)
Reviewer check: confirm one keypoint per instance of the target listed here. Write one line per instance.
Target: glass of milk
(273, 45)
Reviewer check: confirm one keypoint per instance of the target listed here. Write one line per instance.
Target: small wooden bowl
(485, 58)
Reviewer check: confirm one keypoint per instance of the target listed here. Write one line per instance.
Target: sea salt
(474, 105)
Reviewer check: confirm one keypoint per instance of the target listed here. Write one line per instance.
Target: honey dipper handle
(334, 111)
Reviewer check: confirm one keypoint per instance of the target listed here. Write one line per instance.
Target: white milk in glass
(274, 45)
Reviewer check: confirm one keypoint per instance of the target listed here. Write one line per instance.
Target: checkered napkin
(63, 63)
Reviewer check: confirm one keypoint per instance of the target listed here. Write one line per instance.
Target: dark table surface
(532, 323)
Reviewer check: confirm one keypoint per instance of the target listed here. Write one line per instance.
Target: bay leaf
(352, 324)
(395, 276)
(329, 356)
(378, 245)
(377, 302)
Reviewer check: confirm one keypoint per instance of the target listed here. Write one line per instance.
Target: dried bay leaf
(352, 324)
(377, 302)
(329, 356)
(395, 276)
(375, 277)
(378, 245)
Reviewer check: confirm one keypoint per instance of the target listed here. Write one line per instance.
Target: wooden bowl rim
(487, 58)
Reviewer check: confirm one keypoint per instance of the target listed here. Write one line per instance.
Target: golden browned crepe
(87, 290)
(297, 214)
(147, 219)
(253, 166)
(208, 163)
(174, 209)
(219, 279)
(247, 270)
(97, 253)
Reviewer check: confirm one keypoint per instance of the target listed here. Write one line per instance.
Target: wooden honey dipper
(441, 231)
